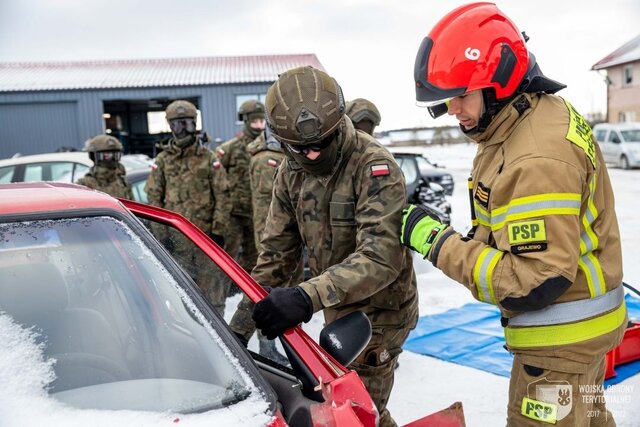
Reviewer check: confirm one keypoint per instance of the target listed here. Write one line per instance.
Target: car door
(614, 146)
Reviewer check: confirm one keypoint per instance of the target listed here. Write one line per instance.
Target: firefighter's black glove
(218, 238)
(282, 309)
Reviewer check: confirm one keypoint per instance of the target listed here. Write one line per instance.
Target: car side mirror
(345, 338)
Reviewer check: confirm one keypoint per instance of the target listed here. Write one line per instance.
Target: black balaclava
(325, 163)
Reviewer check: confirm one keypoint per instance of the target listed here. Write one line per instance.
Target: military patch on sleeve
(154, 166)
(220, 152)
(527, 236)
(380, 170)
(482, 195)
(216, 164)
(580, 133)
(272, 162)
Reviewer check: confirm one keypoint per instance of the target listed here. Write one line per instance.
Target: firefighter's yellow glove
(420, 229)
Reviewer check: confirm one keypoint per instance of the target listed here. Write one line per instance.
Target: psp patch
(380, 170)
(482, 195)
(527, 236)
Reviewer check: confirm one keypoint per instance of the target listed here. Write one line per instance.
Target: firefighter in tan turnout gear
(186, 179)
(340, 194)
(107, 174)
(545, 245)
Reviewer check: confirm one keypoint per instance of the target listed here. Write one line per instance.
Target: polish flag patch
(216, 165)
(380, 170)
(272, 162)
(220, 152)
(154, 166)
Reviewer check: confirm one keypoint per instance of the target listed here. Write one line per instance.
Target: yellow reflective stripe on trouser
(536, 206)
(483, 272)
(588, 262)
(568, 333)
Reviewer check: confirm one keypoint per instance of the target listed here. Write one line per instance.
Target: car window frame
(179, 275)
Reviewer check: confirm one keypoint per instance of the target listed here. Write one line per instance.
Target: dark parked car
(427, 183)
(104, 325)
(416, 167)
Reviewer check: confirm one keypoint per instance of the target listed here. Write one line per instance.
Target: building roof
(139, 73)
(628, 52)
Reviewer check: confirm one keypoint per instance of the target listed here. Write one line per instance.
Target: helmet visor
(108, 156)
(436, 108)
(182, 126)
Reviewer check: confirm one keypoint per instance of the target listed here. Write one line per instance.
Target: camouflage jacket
(350, 223)
(187, 181)
(233, 155)
(265, 159)
(110, 181)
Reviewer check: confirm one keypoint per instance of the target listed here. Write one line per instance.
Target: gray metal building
(48, 105)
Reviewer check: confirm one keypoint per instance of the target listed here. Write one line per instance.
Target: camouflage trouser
(240, 235)
(376, 367)
(568, 395)
(241, 323)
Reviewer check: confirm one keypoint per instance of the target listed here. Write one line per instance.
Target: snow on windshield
(25, 374)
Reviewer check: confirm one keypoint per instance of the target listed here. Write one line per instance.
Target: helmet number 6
(472, 54)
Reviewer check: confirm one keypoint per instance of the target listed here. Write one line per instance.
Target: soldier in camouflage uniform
(234, 157)
(188, 180)
(364, 115)
(107, 174)
(266, 156)
(340, 194)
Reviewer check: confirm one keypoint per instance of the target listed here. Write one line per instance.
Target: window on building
(627, 79)
(158, 123)
(242, 98)
(626, 116)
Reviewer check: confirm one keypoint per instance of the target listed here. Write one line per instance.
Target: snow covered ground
(425, 384)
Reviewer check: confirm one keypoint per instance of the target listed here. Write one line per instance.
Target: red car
(105, 325)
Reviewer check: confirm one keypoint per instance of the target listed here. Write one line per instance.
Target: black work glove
(218, 238)
(282, 309)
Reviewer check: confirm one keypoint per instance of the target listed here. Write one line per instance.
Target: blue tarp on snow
(471, 335)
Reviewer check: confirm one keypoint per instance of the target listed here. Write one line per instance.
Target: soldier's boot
(268, 349)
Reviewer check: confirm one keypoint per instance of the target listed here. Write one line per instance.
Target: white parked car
(62, 167)
(620, 143)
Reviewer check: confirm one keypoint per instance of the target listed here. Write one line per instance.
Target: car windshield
(631, 135)
(424, 164)
(113, 328)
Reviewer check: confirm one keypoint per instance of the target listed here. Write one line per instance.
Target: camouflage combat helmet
(304, 106)
(103, 143)
(181, 109)
(251, 109)
(362, 109)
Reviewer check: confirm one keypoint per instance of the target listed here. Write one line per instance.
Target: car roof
(618, 126)
(20, 198)
(70, 156)
(411, 151)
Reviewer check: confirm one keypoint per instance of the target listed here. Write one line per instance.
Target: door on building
(140, 124)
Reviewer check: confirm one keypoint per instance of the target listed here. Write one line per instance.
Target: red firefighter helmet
(473, 47)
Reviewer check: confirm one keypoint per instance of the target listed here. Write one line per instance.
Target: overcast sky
(369, 46)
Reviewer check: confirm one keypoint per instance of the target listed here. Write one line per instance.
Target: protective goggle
(108, 156)
(436, 108)
(319, 146)
(182, 125)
